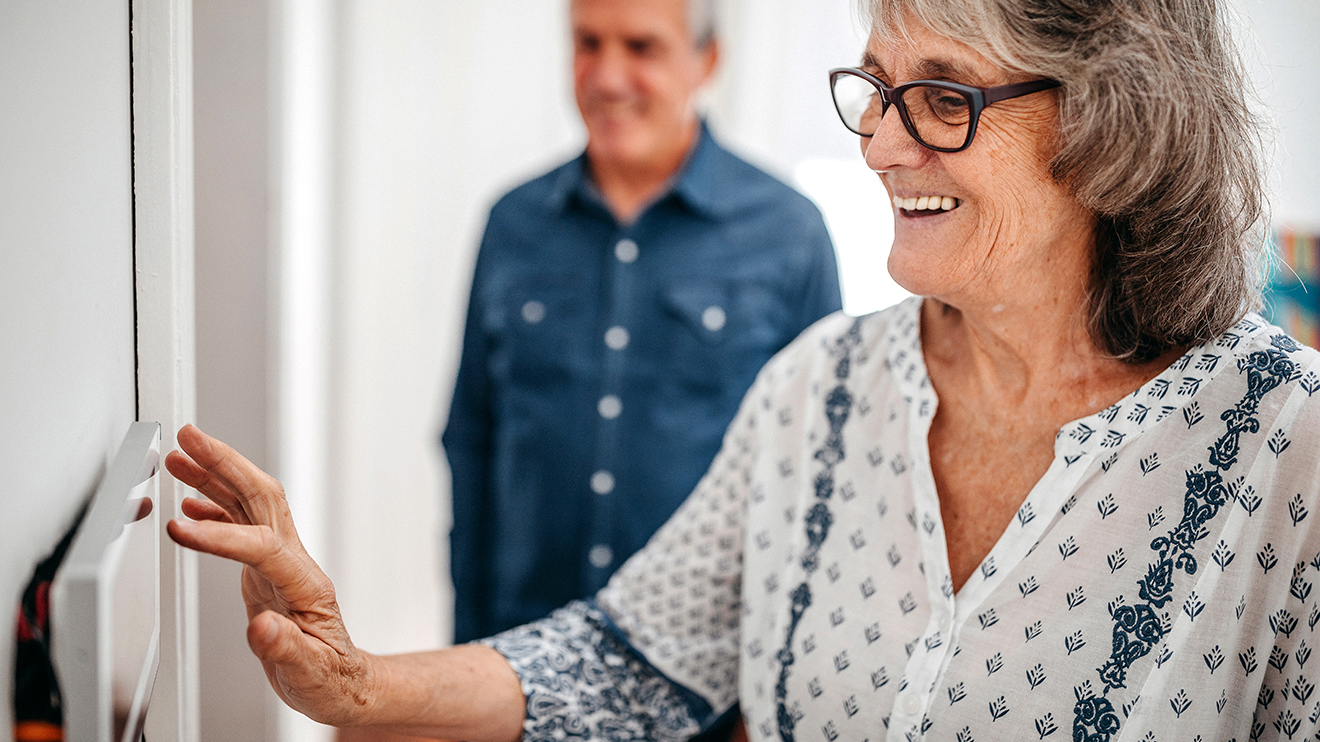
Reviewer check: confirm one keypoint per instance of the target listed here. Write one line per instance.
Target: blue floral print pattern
(582, 682)
(1137, 629)
(838, 405)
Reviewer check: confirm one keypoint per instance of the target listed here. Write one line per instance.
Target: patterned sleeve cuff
(583, 682)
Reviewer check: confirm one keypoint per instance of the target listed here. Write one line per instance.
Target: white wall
(1286, 59)
(772, 104)
(66, 276)
(166, 349)
(426, 143)
(231, 74)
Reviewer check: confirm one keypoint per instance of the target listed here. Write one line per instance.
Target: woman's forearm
(467, 692)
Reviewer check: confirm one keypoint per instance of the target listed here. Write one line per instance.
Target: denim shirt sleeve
(820, 289)
(467, 445)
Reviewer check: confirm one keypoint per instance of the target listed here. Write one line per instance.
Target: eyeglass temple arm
(1014, 90)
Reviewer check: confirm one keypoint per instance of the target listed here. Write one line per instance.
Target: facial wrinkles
(1003, 177)
(1017, 224)
(998, 218)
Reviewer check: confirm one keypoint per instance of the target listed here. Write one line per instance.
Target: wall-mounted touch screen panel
(105, 600)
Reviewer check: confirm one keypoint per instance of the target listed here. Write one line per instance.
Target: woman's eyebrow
(948, 70)
(928, 69)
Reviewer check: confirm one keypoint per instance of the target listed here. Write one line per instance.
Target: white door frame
(163, 256)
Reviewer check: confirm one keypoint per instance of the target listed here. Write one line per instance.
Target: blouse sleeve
(654, 656)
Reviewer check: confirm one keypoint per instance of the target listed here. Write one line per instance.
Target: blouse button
(626, 251)
(713, 319)
(533, 312)
(600, 556)
(911, 705)
(609, 406)
(616, 338)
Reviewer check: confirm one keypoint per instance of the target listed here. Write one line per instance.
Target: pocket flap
(702, 305)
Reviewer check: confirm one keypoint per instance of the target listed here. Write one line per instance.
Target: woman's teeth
(927, 203)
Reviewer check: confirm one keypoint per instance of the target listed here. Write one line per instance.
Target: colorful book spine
(1293, 299)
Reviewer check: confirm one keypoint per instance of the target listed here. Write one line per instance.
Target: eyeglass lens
(939, 117)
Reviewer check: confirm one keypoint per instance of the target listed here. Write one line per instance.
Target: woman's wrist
(464, 692)
(366, 690)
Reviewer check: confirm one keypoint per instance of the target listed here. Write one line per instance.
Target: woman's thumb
(274, 638)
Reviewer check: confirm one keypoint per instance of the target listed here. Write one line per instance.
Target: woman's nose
(891, 146)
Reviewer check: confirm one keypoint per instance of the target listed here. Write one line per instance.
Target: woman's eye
(950, 102)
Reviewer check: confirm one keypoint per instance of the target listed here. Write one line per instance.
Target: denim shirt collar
(696, 183)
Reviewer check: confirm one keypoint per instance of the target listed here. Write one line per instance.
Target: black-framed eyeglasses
(940, 115)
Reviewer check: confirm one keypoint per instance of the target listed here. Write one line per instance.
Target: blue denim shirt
(601, 364)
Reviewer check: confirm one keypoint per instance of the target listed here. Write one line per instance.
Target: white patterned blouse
(1161, 582)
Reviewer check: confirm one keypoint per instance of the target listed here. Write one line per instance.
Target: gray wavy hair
(1158, 138)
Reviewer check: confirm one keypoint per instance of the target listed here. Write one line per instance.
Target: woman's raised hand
(294, 624)
(295, 629)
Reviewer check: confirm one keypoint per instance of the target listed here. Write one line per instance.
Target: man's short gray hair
(701, 21)
(1158, 139)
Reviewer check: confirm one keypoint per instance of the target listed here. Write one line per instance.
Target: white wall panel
(231, 73)
(442, 106)
(1286, 61)
(66, 276)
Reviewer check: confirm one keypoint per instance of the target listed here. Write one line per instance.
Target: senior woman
(1068, 491)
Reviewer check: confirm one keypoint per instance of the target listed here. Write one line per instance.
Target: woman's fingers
(219, 460)
(231, 480)
(241, 543)
(288, 570)
(203, 510)
(187, 471)
(296, 663)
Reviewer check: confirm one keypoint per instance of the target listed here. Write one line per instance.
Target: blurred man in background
(621, 306)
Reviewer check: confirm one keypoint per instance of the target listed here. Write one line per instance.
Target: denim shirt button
(600, 556)
(616, 338)
(533, 312)
(602, 482)
(713, 318)
(610, 406)
(626, 251)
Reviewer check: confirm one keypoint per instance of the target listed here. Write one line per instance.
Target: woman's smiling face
(1011, 225)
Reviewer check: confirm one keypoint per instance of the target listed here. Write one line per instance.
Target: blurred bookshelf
(1293, 299)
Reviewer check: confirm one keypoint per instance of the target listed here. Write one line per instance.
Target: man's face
(636, 72)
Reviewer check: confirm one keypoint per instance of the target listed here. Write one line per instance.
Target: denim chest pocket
(723, 330)
(536, 327)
